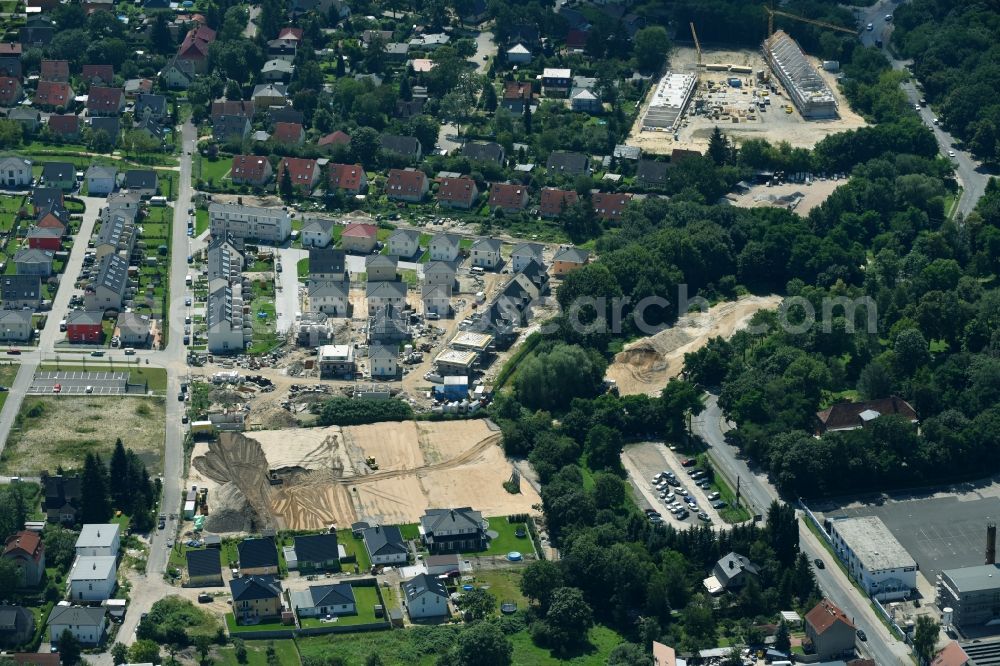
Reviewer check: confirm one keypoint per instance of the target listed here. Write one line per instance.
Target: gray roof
(205, 562)
(101, 171)
(379, 350)
(385, 290)
(58, 171)
(133, 323)
(979, 578)
(18, 287)
(317, 224)
(93, 535)
(422, 584)
(436, 266)
(566, 162)
(14, 162)
(571, 254)
(732, 564)
(434, 291)
(86, 616)
(874, 545)
(449, 239)
(409, 234)
(140, 179)
(225, 126)
(113, 274)
(384, 540)
(652, 172)
(220, 306)
(278, 65)
(249, 588)
(327, 288)
(489, 151)
(110, 124)
(324, 595)
(31, 255)
(15, 316)
(404, 145)
(326, 260)
(93, 567)
(84, 317)
(157, 104)
(269, 90)
(487, 244)
(255, 553)
(374, 260)
(316, 548)
(533, 250)
(627, 152)
(450, 519)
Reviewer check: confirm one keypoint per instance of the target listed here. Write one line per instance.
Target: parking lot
(644, 461)
(76, 383)
(938, 532)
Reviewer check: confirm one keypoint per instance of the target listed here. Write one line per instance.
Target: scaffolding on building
(806, 88)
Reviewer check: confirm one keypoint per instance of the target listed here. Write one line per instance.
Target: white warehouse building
(874, 557)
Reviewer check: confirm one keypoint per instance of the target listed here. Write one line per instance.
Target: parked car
(688, 462)
(862, 636)
(705, 517)
(713, 496)
(819, 563)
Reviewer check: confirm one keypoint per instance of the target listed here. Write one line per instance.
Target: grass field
(504, 584)
(506, 541)
(7, 374)
(200, 221)
(354, 547)
(365, 599)
(257, 653)
(50, 431)
(213, 171)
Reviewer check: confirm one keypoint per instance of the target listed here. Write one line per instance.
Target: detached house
(609, 206)
(440, 273)
(15, 325)
(337, 138)
(99, 539)
(554, 201)
(524, 253)
(317, 232)
(480, 151)
(86, 623)
(382, 361)
(27, 552)
(457, 192)
(453, 530)
(53, 96)
(15, 172)
(485, 253)
(359, 237)
(317, 552)
(406, 185)
(204, 568)
(730, 573)
(98, 75)
(380, 294)
(380, 267)
(10, 91)
(33, 261)
(349, 177)
(426, 596)
(651, 174)
(329, 297)
(62, 494)
(404, 243)
(258, 557)
(385, 545)
(265, 95)
(101, 180)
(508, 197)
(255, 598)
(556, 82)
(227, 128)
(561, 163)
(250, 169)
(93, 578)
(856, 415)
(303, 173)
(20, 292)
(194, 49)
(54, 70)
(150, 106)
(516, 96)
(325, 600)
(85, 326)
(105, 101)
(405, 146)
(141, 181)
(567, 259)
(288, 134)
(436, 299)
(60, 175)
(444, 247)
(328, 264)
(830, 630)
(65, 127)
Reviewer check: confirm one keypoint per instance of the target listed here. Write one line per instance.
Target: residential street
(448, 138)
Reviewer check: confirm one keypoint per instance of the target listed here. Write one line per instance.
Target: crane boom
(697, 46)
(771, 13)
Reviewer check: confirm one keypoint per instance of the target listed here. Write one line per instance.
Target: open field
(7, 374)
(805, 198)
(646, 365)
(774, 125)
(324, 479)
(59, 430)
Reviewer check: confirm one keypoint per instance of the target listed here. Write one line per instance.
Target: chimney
(991, 543)
(732, 565)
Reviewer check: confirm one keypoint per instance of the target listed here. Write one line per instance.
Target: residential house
(17, 625)
(623, 152)
(135, 87)
(484, 151)
(349, 177)
(118, 235)
(519, 54)
(107, 291)
(142, 181)
(10, 91)
(44, 238)
(150, 106)
(382, 361)
(194, 49)
(385, 545)
(43, 198)
(269, 94)
(27, 552)
(227, 331)
(453, 530)
(101, 180)
(359, 237)
(567, 259)
(485, 253)
(442, 565)
(53, 96)
(388, 325)
(103, 101)
(37, 36)
(317, 232)
(516, 95)
(288, 134)
(406, 185)
(277, 69)
(133, 329)
(98, 75)
(380, 267)
(444, 247)
(30, 119)
(525, 253)
(651, 174)
(225, 262)
(285, 114)
(325, 601)
(436, 299)
(243, 108)
(336, 361)
(86, 623)
(250, 169)
(563, 163)
(20, 292)
(457, 192)
(256, 598)
(397, 51)
(554, 201)
(61, 497)
(439, 273)
(426, 597)
(249, 222)
(404, 146)
(204, 568)
(15, 325)
(333, 139)
(951, 655)
(328, 264)
(317, 552)
(609, 206)
(61, 175)
(303, 173)
(329, 297)
(92, 578)
(258, 557)
(85, 326)
(32, 261)
(54, 70)
(53, 216)
(854, 415)
(404, 243)
(15, 172)
(556, 82)
(508, 197)
(385, 293)
(10, 60)
(583, 100)
(96, 540)
(830, 630)
(226, 128)
(730, 574)
(110, 125)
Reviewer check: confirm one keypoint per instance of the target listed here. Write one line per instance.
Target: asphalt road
(881, 646)
(448, 138)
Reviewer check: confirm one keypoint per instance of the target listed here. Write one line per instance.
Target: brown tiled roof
(196, 43)
(233, 108)
(107, 100)
(457, 190)
(55, 70)
(335, 138)
(609, 205)
(824, 615)
(287, 132)
(951, 655)
(360, 229)
(517, 90)
(106, 73)
(10, 90)
(64, 124)
(10, 48)
(289, 32)
(346, 176)
(848, 414)
(249, 167)
(53, 93)
(405, 182)
(301, 171)
(29, 542)
(552, 200)
(507, 195)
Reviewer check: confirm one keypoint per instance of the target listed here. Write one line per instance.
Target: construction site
(385, 473)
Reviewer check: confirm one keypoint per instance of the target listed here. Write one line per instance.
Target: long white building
(807, 89)
(265, 224)
(670, 97)
(874, 557)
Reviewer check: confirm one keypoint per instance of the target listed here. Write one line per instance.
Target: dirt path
(646, 365)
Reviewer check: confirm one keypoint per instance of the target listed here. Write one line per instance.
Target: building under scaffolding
(807, 89)
(669, 99)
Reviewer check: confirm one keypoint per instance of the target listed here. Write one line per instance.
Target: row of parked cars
(676, 499)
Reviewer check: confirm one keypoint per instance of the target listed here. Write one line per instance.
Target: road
(881, 646)
(448, 138)
(250, 31)
(971, 175)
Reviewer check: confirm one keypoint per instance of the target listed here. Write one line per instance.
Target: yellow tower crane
(771, 13)
(697, 45)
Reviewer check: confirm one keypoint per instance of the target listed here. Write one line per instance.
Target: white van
(62, 325)
(129, 351)
(478, 270)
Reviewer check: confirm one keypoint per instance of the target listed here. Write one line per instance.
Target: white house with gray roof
(224, 318)
(380, 267)
(485, 253)
(93, 578)
(133, 329)
(439, 273)
(426, 596)
(385, 293)
(317, 232)
(225, 263)
(99, 539)
(404, 243)
(436, 299)
(101, 180)
(15, 325)
(329, 297)
(324, 600)
(250, 222)
(86, 623)
(524, 253)
(15, 172)
(444, 247)
(107, 291)
(34, 261)
(383, 361)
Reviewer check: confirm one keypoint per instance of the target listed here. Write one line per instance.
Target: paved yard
(643, 461)
(74, 382)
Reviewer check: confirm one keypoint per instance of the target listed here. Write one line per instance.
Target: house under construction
(668, 102)
(807, 89)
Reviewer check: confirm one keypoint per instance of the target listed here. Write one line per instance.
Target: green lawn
(7, 374)
(504, 584)
(214, 171)
(409, 531)
(257, 653)
(731, 513)
(302, 267)
(506, 541)
(355, 547)
(365, 599)
(263, 626)
(200, 221)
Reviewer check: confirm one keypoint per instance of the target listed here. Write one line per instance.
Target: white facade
(15, 172)
(485, 254)
(100, 182)
(86, 624)
(93, 578)
(224, 318)
(426, 597)
(444, 247)
(317, 234)
(99, 540)
(382, 361)
(267, 224)
(873, 556)
(404, 243)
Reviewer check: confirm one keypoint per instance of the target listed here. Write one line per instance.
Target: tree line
(122, 484)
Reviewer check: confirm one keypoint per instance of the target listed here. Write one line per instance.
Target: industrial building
(874, 557)
(669, 100)
(970, 596)
(806, 88)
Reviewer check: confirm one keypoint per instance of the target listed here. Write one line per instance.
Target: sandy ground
(774, 125)
(786, 195)
(646, 365)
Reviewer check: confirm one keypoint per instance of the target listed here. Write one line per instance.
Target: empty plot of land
(52, 431)
(395, 446)
(798, 197)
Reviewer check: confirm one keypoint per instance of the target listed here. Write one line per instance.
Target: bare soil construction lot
(780, 196)
(58, 430)
(646, 365)
(310, 478)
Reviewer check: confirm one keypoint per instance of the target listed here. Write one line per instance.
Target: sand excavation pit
(646, 365)
(310, 478)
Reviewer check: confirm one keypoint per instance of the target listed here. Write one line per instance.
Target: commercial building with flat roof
(972, 593)
(669, 99)
(874, 557)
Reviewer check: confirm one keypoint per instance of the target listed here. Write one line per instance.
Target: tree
(118, 471)
(285, 185)
(60, 545)
(483, 644)
(119, 653)
(629, 654)
(678, 399)
(240, 650)
(144, 651)
(203, 644)
(10, 576)
(782, 639)
(912, 350)
(374, 659)
(478, 603)
(99, 141)
(11, 133)
(69, 648)
(95, 503)
(569, 618)
(540, 579)
(405, 92)
(609, 490)
(527, 118)
(366, 146)
(489, 98)
(651, 46)
(925, 638)
(719, 149)
(580, 220)
(603, 447)
(552, 379)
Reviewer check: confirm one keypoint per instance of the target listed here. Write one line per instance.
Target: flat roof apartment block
(266, 224)
(874, 557)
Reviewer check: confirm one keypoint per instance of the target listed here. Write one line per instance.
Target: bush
(345, 411)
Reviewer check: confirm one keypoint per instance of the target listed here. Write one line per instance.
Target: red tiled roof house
(103, 101)
(829, 630)
(10, 91)
(554, 201)
(194, 48)
(26, 550)
(508, 197)
(288, 134)
(53, 96)
(55, 70)
(103, 75)
(65, 127)
(406, 185)
(303, 173)
(359, 237)
(608, 205)
(251, 170)
(350, 177)
(457, 192)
